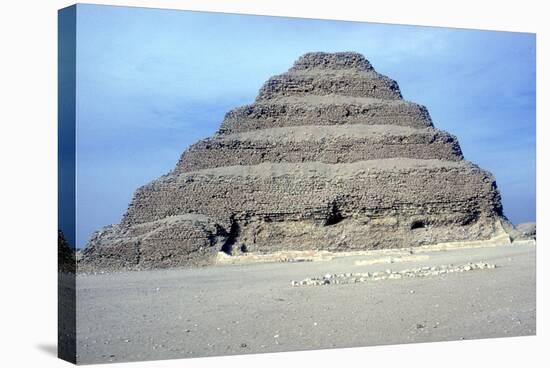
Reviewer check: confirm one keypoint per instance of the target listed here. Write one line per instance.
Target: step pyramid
(328, 157)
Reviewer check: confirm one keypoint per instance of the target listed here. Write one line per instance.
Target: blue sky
(151, 82)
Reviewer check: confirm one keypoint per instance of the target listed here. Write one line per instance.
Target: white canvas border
(28, 151)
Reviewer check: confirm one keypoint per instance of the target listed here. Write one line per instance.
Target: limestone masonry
(328, 157)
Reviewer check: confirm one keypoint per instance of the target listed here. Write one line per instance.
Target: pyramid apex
(335, 61)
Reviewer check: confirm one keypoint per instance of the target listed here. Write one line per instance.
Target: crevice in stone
(138, 252)
(234, 232)
(334, 216)
(418, 224)
(470, 219)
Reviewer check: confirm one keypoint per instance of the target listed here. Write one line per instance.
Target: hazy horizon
(150, 82)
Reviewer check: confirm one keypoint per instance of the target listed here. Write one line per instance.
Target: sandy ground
(252, 308)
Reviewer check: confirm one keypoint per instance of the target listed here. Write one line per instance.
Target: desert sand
(254, 308)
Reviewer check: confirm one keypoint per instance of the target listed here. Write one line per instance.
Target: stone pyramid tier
(324, 110)
(328, 157)
(327, 144)
(344, 74)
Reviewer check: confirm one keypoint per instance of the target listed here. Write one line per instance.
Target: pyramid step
(449, 193)
(324, 110)
(354, 84)
(328, 144)
(327, 62)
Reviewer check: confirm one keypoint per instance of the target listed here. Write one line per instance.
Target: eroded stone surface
(331, 109)
(173, 241)
(527, 230)
(322, 206)
(332, 61)
(327, 144)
